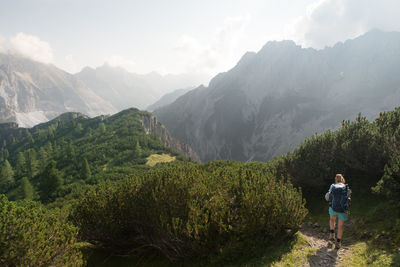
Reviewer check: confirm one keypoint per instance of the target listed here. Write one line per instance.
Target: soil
(326, 254)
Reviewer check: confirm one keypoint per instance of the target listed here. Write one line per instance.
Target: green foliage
(25, 190)
(86, 150)
(6, 177)
(20, 165)
(364, 152)
(30, 235)
(49, 182)
(368, 154)
(86, 173)
(187, 209)
(137, 150)
(31, 163)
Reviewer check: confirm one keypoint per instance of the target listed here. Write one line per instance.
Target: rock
(272, 100)
(325, 230)
(152, 126)
(32, 92)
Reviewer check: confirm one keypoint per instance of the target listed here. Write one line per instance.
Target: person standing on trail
(339, 196)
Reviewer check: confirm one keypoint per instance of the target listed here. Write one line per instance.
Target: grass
(153, 159)
(366, 255)
(299, 254)
(290, 252)
(373, 235)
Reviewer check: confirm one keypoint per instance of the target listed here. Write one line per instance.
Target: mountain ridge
(273, 99)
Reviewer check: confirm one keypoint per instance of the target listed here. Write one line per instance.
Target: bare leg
(340, 229)
(332, 223)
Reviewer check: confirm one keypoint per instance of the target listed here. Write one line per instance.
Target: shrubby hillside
(185, 209)
(31, 235)
(366, 152)
(65, 155)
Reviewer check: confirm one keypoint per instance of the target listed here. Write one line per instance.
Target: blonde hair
(339, 179)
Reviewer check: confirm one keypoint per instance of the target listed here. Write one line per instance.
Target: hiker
(339, 202)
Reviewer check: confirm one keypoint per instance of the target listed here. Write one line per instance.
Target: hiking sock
(338, 240)
(332, 231)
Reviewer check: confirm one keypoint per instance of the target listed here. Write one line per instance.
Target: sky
(179, 36)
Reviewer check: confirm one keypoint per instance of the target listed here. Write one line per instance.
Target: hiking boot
(338, 245)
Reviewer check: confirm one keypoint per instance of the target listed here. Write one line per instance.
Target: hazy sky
(178, 36)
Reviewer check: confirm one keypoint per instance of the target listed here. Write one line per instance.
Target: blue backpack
(338, 199)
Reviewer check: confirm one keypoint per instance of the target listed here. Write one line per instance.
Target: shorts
(342, 215)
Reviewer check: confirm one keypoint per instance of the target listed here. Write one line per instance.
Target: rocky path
(325, 254)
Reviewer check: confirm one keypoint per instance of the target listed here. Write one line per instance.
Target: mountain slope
(168, 99)
(271, 100)
(33, 92)
(112, 147)
(125, 89)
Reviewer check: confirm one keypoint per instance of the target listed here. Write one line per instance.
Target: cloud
(118, 61)
(70, 64)
(31, 47)
(216, 55)
(329, 21)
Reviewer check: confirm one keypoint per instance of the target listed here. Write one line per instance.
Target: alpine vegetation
(183, 210)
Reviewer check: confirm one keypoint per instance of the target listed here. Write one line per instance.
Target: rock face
(152, 126)
(32, 92)
(272, 100)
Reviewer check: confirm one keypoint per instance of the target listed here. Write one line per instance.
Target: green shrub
(30, 235)
(186, 209)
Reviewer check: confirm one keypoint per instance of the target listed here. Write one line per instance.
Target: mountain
(125, 89)
(168, 98)
(273, 99)
(33, 92)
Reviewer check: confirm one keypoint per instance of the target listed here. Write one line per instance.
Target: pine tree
(50, 181)
(5, 153)
(43, 158)
(20, 166)
(85, 172)
(31, 163)
(137, 151)
(70, 151)
(102, 127)
(25, 189)
(79, 128)
(6, 177)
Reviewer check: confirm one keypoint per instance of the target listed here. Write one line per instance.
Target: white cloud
(329, 21)
(31, 47)
(216, 55)
(70, 64)
(118, 61)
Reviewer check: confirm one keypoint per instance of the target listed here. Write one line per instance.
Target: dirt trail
(326, 254)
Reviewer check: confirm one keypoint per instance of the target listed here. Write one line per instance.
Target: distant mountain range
(33, 92)
(124, 89)
(271, 100)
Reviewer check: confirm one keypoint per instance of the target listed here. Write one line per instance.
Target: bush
(186, 209)
(30, 235)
